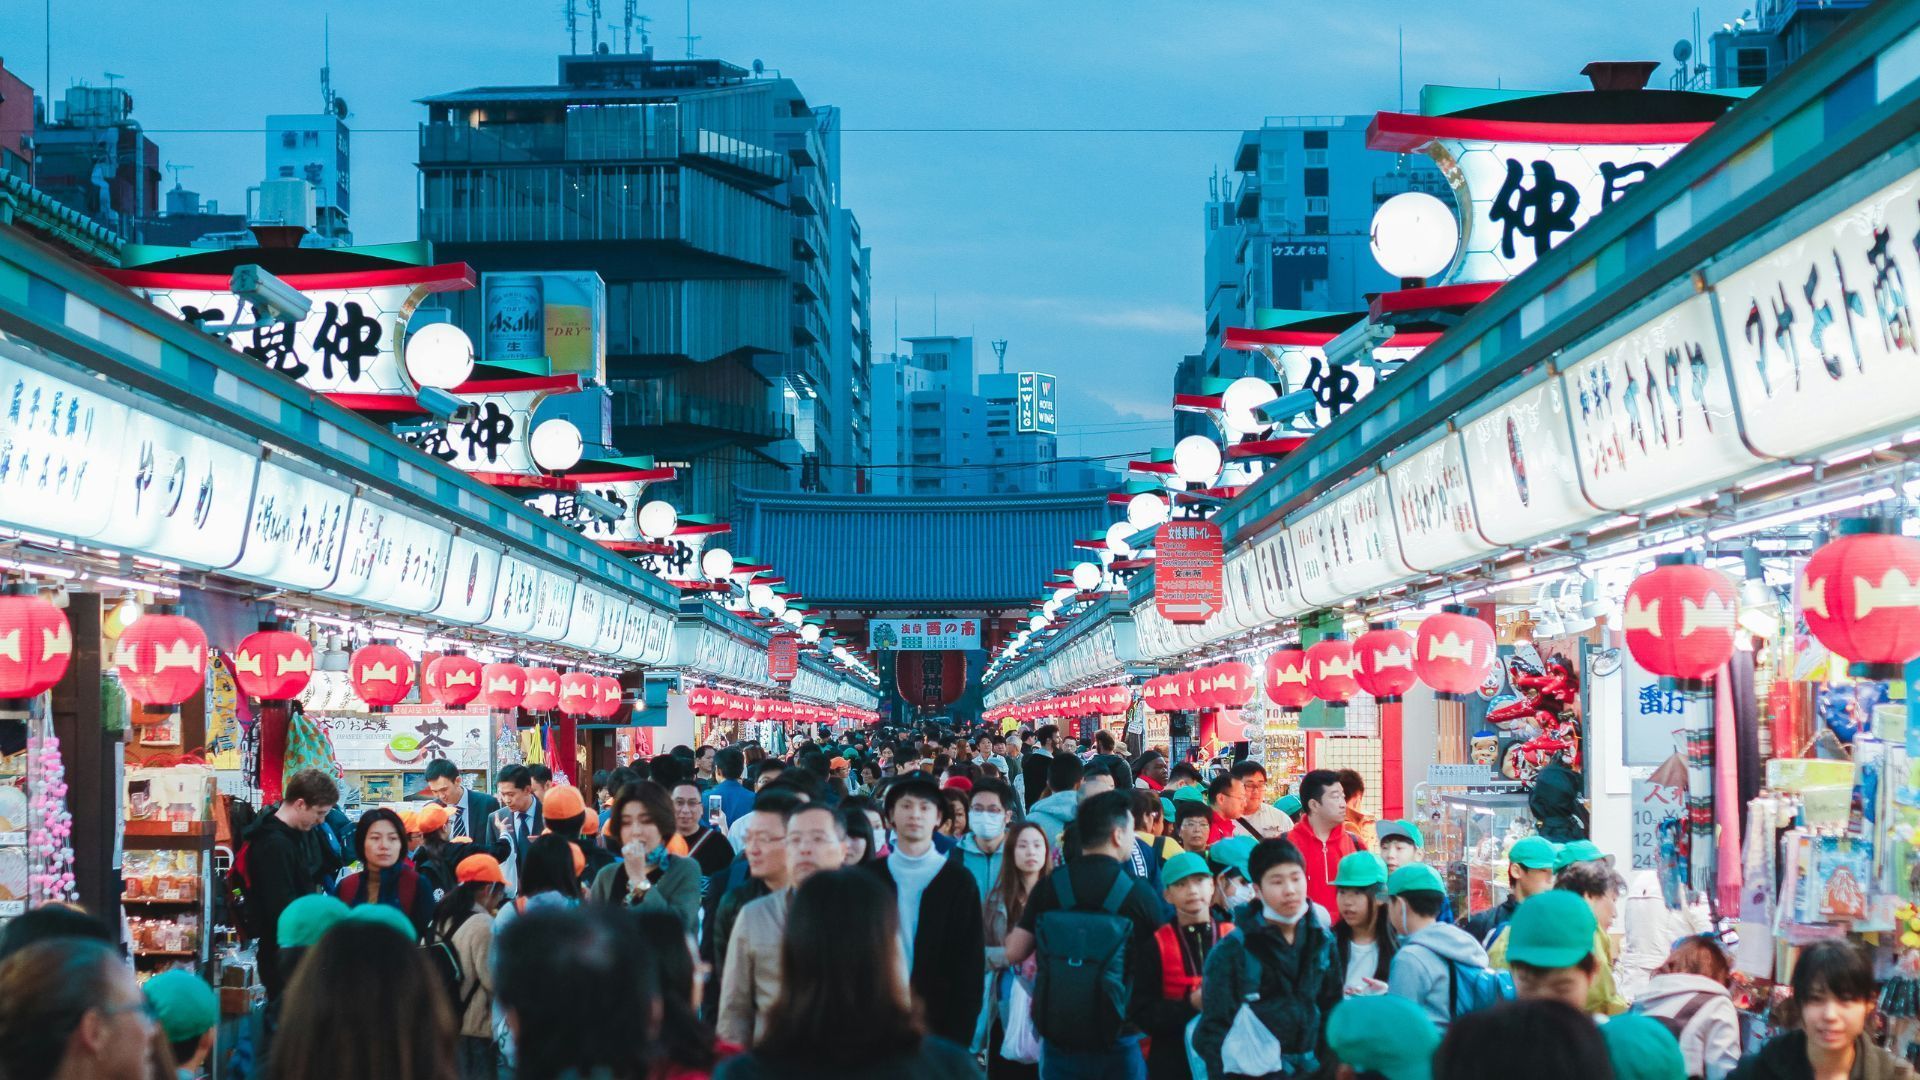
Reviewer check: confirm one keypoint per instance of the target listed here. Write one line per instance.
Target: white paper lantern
(658, 519)
(717, 563)
(439, 355)
(1414, 235)
(1145, 510)
(1118, 534)
(759, 596)
(776, 604)
(1086, 577)
(1196, 460)
(1242, 400)
(810, 633)
(1036, 623)
(792, 617)
(556, 445)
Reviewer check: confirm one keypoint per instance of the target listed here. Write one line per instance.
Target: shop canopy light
(1805, 513)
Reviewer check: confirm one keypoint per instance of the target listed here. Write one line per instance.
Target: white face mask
(987, 825)
(1283, 920)
(1238, 895)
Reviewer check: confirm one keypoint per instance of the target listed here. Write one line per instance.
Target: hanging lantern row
(1385, 657)
(719, 704)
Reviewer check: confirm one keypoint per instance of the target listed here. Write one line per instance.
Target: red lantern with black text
(543, 690)
(1385, 655)
(1861, 597)
(1330, 670)
(452, 679)
(273, 664)
(381, 674)
(1286, 678)
(1680, 618)
(576, 693)
(502, 686)
(162, 658)
(1453, 652)
(36, 646)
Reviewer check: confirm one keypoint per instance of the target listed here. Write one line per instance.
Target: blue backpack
(1471, 988)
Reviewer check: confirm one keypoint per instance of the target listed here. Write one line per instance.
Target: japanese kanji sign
(783, 657)
(1187, 575)
(909, 635)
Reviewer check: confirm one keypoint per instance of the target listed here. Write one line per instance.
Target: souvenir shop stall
(739, 681)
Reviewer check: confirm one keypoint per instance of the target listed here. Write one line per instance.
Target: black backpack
(448, 971)
(1081, 994)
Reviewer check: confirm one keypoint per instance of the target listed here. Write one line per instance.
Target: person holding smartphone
(706, 844)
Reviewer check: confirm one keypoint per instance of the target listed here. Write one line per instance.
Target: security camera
(271, 298)
(599, 506)
(1286, 407)
(445, 406)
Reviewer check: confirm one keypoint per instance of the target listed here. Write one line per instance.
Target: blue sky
(1082, 249)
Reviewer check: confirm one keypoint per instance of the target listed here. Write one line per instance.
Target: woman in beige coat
(463, 923)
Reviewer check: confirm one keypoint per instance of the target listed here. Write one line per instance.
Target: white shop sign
(1362, 550)
(1433, 509)
(473, 570)
(345, 344)
(60, 452)
(393, 559)
(583, 628)
(1311, 536)
(1277, 577)
(296, 533)
(404, 742)
(1820, 331)
(515, 599)
(181, 495)
(553, 605)
(1652, 412)
(1521, 469)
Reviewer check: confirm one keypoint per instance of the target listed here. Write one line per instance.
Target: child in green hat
(1181, 948)
(1363, 942)
(188, 1013)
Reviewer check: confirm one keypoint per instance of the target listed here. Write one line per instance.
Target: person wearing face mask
(1834, 988)
(988, 806)
(1280, 966)
(1232, 890)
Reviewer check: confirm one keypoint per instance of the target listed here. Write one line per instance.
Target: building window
(1316, 225)
(286, 171)
(1314, 182)
(1316, 158)
(1313, 140)
(1316, 204)
(1750, 67)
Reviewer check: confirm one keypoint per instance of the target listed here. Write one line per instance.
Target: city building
(94, 157)
(17, 113)
(850, 307)
(1286, 226)
(190, 221)
(1749, 50)
(704, 195)
(1021, 431)
(315, 147)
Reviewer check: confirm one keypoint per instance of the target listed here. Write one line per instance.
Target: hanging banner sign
(60, 451)
(565, 507)
(1279, 584)
(1652, 411)
(1521, 469)
(392, 559)
(783, 657)
(181, 495)
(1433, 508)
(1361, 550)
(552, 605)
(296, 535)
(473, 570)
(908, 635)
(1820, 330)
(1657, 720)
(1656, 807)
(1187, 571)
(405, 741)
(1311, 536)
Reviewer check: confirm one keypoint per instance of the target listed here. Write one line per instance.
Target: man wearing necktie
(519, 819)
(469, 813)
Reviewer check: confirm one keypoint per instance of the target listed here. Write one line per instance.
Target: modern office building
(704, 195)
(17, 112)
(1022, 428)
(94, 157)
(316, 147)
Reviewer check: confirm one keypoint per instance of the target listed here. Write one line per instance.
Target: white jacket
(1711, 1040)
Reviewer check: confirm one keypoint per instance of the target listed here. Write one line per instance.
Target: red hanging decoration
(273, 664)
(162, 658)
(931, 680)
(1861, 596)
(1235, 685)
(1286, 678)
(576, 693)
(543, 690)
(1330, 670)
(1453, 652)
(1385, 653)
(502, 685)
(607, 693)
(36, 645)
(1680, 619)
(452, 679)
(700, 701)
(381, 674)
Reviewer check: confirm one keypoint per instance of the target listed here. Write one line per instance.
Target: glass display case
(1468, 834)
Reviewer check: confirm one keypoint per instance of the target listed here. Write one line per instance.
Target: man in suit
(519, 818)
(469, 813)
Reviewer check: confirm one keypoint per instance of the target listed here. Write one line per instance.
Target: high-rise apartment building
(316, 147)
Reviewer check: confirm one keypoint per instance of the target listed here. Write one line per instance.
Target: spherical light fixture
(810, 633)
(1118, 534)
(717, 563)
(1242, 401)
(777, 604)
(1196, 460)
(1063, 596)
(1146, 510)
(439, 355)
(1086, 577)
(759, 596)
(1037, 623)
(556, 445)
(1414, 235)
(658, 519)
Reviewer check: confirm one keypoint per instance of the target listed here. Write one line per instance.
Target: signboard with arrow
(1187, 575)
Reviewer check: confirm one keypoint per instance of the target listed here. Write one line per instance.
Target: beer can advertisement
(559, 315)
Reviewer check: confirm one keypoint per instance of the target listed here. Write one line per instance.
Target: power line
(845, 130)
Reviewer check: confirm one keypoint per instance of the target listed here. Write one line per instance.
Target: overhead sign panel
(1034, 405)
(1521, 467)
(912, 635)
(1188, 571)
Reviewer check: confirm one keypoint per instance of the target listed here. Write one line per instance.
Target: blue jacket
(735, 800)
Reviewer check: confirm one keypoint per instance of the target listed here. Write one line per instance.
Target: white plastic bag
(1020, 1042)
(1250, 1049)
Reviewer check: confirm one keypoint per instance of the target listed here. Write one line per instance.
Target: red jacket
(1322, 859)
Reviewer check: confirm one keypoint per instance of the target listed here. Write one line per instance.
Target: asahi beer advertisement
(560, 316)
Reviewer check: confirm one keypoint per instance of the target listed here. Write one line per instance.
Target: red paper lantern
(576, 693)
(931, 680)
(162, 658)
(453, 680)
(381, 674)
(1861, 596)
(543, 690)
(607, 693)
(1385, 653)
(1236, 685)
(502, 685)
(1202, 694)
(36, 645)
(1680, 619)
(272, 664)
(1330, 670)
(1286, 678)
(1453, 652)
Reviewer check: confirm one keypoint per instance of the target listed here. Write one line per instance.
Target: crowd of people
(890, 903)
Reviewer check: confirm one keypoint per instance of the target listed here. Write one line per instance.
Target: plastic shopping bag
(1020, 1042)
(1250, 1049)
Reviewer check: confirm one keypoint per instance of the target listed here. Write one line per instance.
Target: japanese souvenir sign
(907, 635)
(1433, 507)
(1521, 468)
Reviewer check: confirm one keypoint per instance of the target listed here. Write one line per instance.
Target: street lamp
(1414, 235)
(1196, 460)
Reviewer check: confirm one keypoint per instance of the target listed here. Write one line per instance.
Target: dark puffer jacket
(1784, 1057)
(1296, 985)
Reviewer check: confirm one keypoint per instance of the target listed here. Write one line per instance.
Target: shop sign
(564, 507)
(1656, 807)
(907, 635)
(1335, 387)
(1280, 589)
(531, 601)
(392, 559)
(1433, 508)
(1034, 408)
(1187, 571)
(498, 439)
(1521, 469)
(681, 562)
(60, 448)
(559, 315)
(659, 640)
(1362, 553)
(783, 657)
(633, 632)
(1311, 536)
(1820, 331)
(583, 625)
(180, 495)
(552, 606)
(296, 533)
(473, 570)
(348, 343)
(1657, 720)
(1652, 412)
(403, 741)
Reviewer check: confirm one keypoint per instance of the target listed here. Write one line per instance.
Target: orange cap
(562, 802)
(579, 860)
(410, 820)
(590, 826)
(479, 868)
(430, 818)
(677, 845)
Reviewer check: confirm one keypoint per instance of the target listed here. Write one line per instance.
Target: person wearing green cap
(1549, 946)
(1183, 945)
(382, 915)
(1595, 884)
(1529, 873)
(1363, 942)
(1355, 1033)
(1288, 805)
(1641, 1048)
(1399, 843)
(188, 1013)
(1438, 967)
(1232, 889)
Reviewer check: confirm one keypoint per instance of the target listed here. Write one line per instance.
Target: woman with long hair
(69, 1007)
(1688, 993)
(688, 1049)
(861, 848)
(843, 1009)
(1363, 937)
(386, 876)
(549, 878)
(648, 876)
(1024, 859)
(577, 989)
(362, 1006)
(464, 923)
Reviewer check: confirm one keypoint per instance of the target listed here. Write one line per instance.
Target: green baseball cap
(183, 1003)
(1183, 866)
(1288, 805)
(1534, 853)
(1415, 877)
(1578, 851)
(1402, 830)
(1166, 808)
(383, 915)
(1354, 1032)
(1232, 852)
(304, 921)
(1552, 930)
(1361, 870)
(1643, 1049)
(1190, 793)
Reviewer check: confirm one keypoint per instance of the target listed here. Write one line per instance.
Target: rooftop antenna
(326, 64)
(896, 324)
(593, 24)
(936, 313)
(1403, 67)
(573, 29)
(176, 170)
(1000, 352)
(112, 76)
(690, 36)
